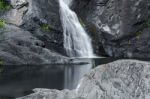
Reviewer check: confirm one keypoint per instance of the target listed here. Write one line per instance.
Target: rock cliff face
(117, 28)
(122, 79)
(31, 33)
(122, 25)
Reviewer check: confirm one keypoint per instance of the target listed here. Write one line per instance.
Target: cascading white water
(76, 41)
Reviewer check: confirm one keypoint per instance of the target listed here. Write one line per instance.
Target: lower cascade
(76, 41)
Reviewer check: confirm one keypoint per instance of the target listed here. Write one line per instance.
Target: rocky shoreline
(122, 79)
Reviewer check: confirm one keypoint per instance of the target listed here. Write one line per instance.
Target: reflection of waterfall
(76, 41)
(73, 74)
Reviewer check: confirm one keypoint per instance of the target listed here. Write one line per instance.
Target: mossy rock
(1, 66)
(148, 22)
(2, 23)
(4, 5)
(82, 23)
(45, 27)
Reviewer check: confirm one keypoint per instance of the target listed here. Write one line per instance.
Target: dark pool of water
(17, 81)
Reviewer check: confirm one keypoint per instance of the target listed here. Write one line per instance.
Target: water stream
(76, 41)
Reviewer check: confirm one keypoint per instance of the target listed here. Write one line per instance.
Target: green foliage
(82, 23)
(45, 27)
(148, 22)
(4, 5)
(1, 62)
(138, 34)
(2, 23)
(93, 32)
(1, 66)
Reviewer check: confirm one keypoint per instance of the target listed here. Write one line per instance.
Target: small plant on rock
(45, 27)
(4, 5)
(82, 23)
(1, 66)
(2, 23)
(1, 63)
(148, 22)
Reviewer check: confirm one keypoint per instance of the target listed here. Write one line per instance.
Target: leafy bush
(4, 5)
(2, 23)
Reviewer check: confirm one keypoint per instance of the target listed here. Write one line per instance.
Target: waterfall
(76, 41)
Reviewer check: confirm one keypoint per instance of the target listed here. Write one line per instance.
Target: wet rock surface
(31, 34)
(117, 23)
(122, 79)
(18, 46)
(43, 21)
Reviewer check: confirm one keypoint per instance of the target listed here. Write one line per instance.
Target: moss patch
(1, 65)
(82, 23)
(1, 62)
(4, 5)
(148, 22)
(2, 23)
(45, 27)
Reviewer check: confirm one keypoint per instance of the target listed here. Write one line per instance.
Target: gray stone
(15, 16)
(18, 46)
(24, 40)
(18, 3)
(51, 94)
(116, 22)
(123, 79)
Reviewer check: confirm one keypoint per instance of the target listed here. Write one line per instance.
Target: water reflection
(72, 74)
(16, 81)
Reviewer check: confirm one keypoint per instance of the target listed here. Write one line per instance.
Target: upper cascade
(76, 41)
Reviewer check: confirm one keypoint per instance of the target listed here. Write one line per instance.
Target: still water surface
(16, 81)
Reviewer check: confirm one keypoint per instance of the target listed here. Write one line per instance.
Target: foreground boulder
(122, 79)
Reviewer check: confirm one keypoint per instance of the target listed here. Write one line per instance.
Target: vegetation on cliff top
(4, 5)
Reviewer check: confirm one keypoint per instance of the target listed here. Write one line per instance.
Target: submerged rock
(122, 79)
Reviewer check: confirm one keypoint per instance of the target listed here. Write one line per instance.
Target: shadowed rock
(114, 24)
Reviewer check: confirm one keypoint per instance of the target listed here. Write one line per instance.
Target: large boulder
(43, 21)
(122, 79)
(118, 23)
(51, 94)
(31, 33)
(18, 46)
